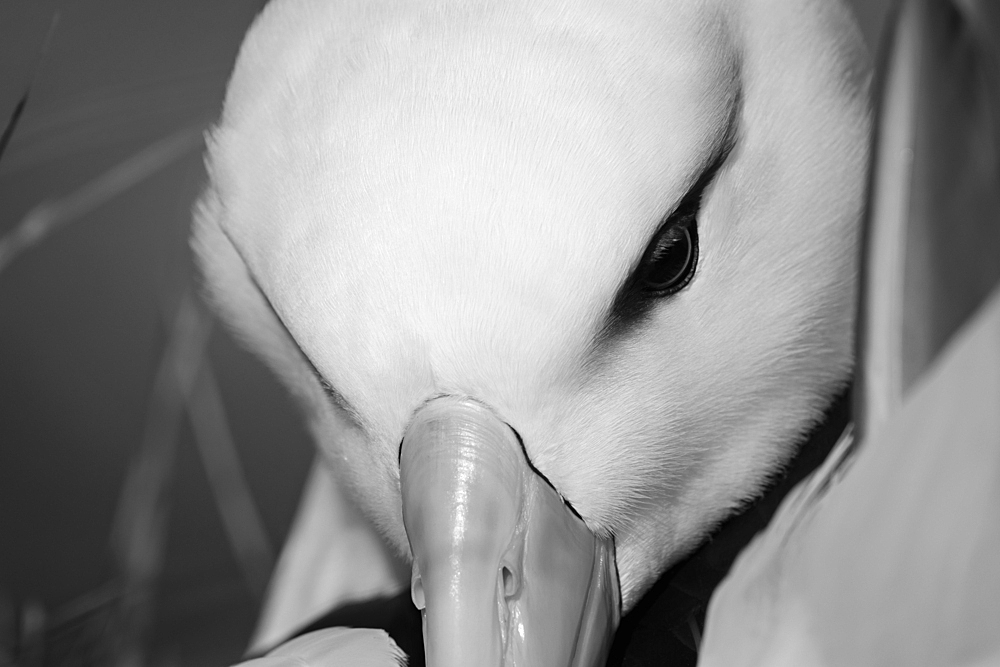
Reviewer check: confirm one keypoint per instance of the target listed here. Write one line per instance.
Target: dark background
(85, 316)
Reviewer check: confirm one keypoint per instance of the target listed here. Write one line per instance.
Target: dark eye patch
(668, 263)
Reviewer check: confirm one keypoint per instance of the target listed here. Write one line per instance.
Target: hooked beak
(504, 573)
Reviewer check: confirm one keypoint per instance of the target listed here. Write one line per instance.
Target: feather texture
(415, 198)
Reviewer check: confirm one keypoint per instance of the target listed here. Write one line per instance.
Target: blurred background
(149, 467)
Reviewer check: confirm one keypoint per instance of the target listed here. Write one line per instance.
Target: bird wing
(332, 556)
(335, 647)
(895, 563)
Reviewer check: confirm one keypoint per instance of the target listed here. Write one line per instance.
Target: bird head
(543, 273)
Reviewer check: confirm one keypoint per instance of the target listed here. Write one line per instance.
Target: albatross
(560, 286)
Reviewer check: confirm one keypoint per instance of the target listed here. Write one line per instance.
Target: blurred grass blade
(15, 116)
(48, 216)
(140, 526)
(240, 518)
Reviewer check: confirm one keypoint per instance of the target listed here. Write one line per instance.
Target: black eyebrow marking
(631, 305)
(335, 396)
(331, 392)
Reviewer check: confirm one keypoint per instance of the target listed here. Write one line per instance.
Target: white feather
(335, 647)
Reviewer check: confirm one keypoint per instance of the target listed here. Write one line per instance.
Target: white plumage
(336, 647)
(411, 199)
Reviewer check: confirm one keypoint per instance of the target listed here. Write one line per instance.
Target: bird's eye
(671, 259)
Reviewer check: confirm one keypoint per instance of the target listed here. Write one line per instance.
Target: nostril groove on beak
(511, 583)
(417, 593)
